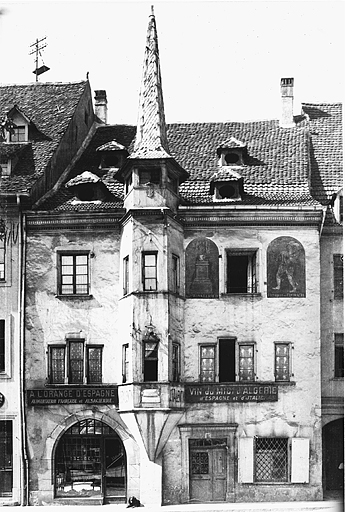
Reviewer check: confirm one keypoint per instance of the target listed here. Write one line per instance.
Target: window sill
(337, 378)
(254, 294)
(84, 385)
(74, 297)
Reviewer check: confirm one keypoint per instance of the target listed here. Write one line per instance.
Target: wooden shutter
(299, 460)
(246, 460)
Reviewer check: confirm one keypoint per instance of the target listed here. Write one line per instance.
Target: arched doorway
(90, 461)
(333, 454)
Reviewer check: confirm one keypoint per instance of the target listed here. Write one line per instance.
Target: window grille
(282, 362)
(199, 463)
(74, 271)
(207, 363)
(338, 276)
(246, 362)
(271, 459)
(76, 362)
(339, 355)
(94, 365)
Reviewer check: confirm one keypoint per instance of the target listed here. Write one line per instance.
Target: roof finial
(152, 11)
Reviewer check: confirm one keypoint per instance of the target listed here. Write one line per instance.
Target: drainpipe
(21, 303)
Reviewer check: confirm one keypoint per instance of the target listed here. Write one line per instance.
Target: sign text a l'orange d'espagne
(73, 395)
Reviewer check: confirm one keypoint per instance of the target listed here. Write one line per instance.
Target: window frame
(339, 355)
(155, 178)
(125, 270)
(19, 134)
(175, 362)
(125, 363)
(338, 276)
(74, 255)
(252, 266)
(175, 273)
(2, 259)
(289, 346)
(7, 440)
(99, 348)
(144, 267)
(150, 359)
(215, 370)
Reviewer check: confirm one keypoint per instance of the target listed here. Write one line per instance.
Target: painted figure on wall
(202, 269)
(285, 268)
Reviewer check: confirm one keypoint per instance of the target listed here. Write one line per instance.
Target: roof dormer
(87, 187)
(227, 185)
(113, 155)
(16, 126)
(231, 152)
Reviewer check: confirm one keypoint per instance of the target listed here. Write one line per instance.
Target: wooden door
(208, 474)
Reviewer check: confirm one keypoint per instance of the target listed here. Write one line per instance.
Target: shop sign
(70, 396)
(2, 399)
(231, 393)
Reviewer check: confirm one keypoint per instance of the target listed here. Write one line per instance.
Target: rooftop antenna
(38, 46)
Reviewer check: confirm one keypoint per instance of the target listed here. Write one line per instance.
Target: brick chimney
(286, 89)
(101, 109)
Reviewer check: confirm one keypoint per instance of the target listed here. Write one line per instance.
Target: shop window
(67, 363)
(234, 362)
(149, 271)
(271, 459)
(6, 458)
(175, 273)
(2, 345)
(125, 363)
(73, 276)
(90, 462)
(149, 176)
(125, 275)
(150, 361)
(282, 362)
(338, 276)
(2, 257)
(175, 362)
(241, 271)
(18, 134)
(339, 355)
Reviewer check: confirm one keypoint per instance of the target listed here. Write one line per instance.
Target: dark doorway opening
(333, 455)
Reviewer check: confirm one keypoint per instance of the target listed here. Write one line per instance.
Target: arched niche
(202, 269)
(285, 268)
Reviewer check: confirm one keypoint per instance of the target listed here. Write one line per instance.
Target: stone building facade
(182, 330)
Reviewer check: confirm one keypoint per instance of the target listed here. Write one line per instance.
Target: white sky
(220, 60)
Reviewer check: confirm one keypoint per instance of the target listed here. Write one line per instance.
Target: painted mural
(202, 269)
(285, 268)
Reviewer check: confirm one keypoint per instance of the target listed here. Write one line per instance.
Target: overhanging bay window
(75, 363)
(241, 271)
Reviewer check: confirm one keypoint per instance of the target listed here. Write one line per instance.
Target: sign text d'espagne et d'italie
(67, 396)
(231, 393)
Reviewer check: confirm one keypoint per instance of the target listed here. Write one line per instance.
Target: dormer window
(113, 155)
(111, 159)
(5, 167)
(87, 187)
(226, 185)
(227, 191)
(337, 204)
(231, 152)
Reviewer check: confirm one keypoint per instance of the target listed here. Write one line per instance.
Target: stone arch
(286, 268)
(202, 269)
(112, 420)
(333, 454)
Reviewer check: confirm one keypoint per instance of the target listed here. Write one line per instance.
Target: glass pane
(81, 260)
(66, 290)
(67, 279)
(67, 270)
(150, 272)
(58, 365)
(67, 260)
(150, 284)
(150, 260)
(81, 279)
(95, 364)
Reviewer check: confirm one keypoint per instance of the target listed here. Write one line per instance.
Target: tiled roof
(276, 167)
(325, 123)
(49, 106)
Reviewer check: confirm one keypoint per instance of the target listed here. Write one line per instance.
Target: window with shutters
(241, 271)
(338, 276)
(282, 362)
(227, 361)
(271, 459)
(339, 355)
(73, 274)
(75, 363)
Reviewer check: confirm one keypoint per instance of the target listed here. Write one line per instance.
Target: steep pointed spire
(151, 140)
